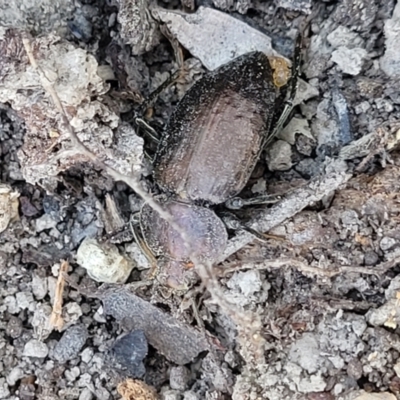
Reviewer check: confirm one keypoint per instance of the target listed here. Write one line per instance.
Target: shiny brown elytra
(214, 137)
(206, 155)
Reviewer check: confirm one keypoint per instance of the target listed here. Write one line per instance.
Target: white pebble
(35, 348)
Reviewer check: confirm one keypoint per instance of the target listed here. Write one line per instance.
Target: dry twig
(56, 320)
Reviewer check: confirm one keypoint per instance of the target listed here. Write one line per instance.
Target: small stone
(214, 37)
(27, 208)
(87, 355)
(363, 107)
(35, 348)
(86, 394)
(14, 327)
(51, 206)
(39, 287)
(99, 316)
(4, 391)
(384, 104)
(189, 395)
(81, 28)
(85, 380)
(359, 325)
(11, 303)
(305, 91)
(45, 222)
(70, 343)
(179, 378)
(15, 375)
(170, 395)
(103, 262)
(371, 258)
(355, 369)
(102, 394)
(72, 374)
(396, 368)
(296, 126)
(128, 353)
(279, 156)
(344, 37)
(387, 243)
(248, 282)
(305, 353)
(25, 300)
(374, 396)
(350, 61)
(390, 61)
(388, 314)
(295, 5)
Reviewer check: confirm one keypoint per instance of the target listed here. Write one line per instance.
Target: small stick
(56, 320)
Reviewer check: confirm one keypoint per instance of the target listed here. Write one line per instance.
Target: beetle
(207, 153)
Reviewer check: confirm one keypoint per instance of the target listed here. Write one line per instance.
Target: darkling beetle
(207, 153)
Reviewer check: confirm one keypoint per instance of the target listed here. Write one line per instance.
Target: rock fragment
(36, 348)
(279, 156)
(390, 61)
(103, 262)
(70, 343)
(138, 28)
(213, 36)
(128, 353)
(176, 341)
(350, 61)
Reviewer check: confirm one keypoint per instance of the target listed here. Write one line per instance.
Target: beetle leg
(135, 229)
(233, 223)
(293, 83)
(149, 131)
(236, 203)
(152, 97)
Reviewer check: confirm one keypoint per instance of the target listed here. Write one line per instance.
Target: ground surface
(323, 291)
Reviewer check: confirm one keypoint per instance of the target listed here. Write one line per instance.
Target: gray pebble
(35, 348)
(25, 300)
(71, 343)
(11, 303)
(170, 395)
(387, 243)
(87, 355)
(4, 392)
(39, 287)
(189, 395)
(179, 377)
(371, 258)
(279, 156)
(355, 369)
(15, 375)
(390, 62)
(14, 327)
(72, 374)
(45, 222)
(86, 394)
(128, 352)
